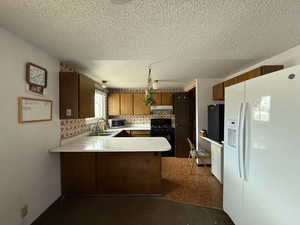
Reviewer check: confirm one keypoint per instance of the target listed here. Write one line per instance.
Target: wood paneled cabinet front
(252, 74)
(114, 104)
(134, 103)
(218, 92)
(157, 98)
(182, 124)
(164, 98)
(77, 96)
(90, 173)
(139, 107)
(126, 103)
(140, 133)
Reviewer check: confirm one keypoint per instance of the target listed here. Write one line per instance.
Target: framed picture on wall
(36, 78)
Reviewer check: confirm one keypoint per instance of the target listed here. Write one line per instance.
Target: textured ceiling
(193, 38)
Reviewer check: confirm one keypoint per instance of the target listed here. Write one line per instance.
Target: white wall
(203, 99)
(28, 173)
(288, 58)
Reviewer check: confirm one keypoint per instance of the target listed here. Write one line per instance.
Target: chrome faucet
(101, 125)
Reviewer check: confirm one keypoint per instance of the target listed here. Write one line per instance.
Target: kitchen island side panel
(136, 173)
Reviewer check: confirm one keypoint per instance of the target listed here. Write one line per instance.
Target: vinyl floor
(197, 186)
(189, 198)
(129, 211)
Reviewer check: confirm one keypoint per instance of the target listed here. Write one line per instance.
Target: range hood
(161, 108)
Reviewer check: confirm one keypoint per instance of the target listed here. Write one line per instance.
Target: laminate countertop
(132, 127)
(115, 144)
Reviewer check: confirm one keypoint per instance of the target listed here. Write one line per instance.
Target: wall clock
(36, 77)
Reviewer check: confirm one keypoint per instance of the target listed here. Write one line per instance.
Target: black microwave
(115, 123)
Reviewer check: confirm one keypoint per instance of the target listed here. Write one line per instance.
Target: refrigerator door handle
(244, 149)
(239, 137)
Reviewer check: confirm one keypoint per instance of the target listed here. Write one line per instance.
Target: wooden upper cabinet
(114, 104)
(163, 98)
(68, 95)
(166, 98)
(231, 82)
(270, 68)
(218, 92)
(86, 97)
(126, 103)
(139, 106)
(77, 96)
(252, 74)
(157, 98)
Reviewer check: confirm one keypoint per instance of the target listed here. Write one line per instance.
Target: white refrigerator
(261, 150)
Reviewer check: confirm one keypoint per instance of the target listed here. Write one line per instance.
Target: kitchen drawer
(140, 133)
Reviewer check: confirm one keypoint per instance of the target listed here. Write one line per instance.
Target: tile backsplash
(144, 119)
(73, 127)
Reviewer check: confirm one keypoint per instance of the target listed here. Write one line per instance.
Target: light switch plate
(69, 112)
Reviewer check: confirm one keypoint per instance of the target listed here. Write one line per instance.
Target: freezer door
(233, 183)
(272, 183)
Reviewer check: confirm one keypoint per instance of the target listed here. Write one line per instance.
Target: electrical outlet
(24, 211)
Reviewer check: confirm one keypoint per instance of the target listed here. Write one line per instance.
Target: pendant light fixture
(149, 100)
(150, 83)
(104, 84)
(155, 85)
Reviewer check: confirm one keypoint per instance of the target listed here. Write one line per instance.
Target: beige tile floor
(199, 187)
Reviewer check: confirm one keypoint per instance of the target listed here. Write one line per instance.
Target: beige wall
(28, 173)
(203, 99)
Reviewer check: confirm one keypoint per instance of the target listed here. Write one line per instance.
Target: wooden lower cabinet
(111, 173)
(124, 133)
(128, 173)
(140, 133)
(78, 173)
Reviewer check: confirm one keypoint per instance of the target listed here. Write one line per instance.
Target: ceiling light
(155, 85)
(103, 85)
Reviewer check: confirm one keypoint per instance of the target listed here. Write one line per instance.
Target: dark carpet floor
(129, 211)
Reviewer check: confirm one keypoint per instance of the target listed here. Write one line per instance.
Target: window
(100, 104)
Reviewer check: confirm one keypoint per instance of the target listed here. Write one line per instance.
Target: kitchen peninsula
(95, 165)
